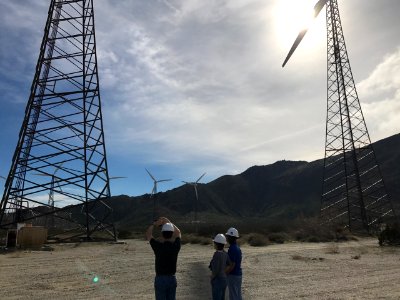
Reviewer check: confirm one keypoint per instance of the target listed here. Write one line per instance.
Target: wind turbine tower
(194, 184)
(154, 193)
(354, 194)
(52, 184)
(50, 203)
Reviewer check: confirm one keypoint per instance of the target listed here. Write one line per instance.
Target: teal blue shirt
(235, 255)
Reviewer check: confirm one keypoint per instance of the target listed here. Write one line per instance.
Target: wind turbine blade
(200, 178)
(58, 184)
(294, 46)
(58, 168)
(117, 177)
(195, 190)
(40, 174)
(317, 9)
(152, 177)
(162, 180)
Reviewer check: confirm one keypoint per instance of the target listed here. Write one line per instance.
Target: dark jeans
(218, 285)
(165, 287)
(235, 287)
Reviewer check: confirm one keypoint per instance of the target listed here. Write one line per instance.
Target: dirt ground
(351, 270)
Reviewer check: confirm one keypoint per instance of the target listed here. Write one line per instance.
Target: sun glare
(292, 16)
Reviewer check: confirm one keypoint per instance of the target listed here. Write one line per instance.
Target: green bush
(124, 234)
(342, 234)
(257, 240)
(390, 235)
(195, 239)
(313, 239)
(278, 237)
(310, 230)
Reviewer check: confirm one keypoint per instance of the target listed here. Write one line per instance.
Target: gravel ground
(350, 270)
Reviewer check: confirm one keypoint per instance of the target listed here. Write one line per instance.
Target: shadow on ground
(199, 281)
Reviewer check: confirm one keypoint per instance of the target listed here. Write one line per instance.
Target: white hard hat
(220, 239)
(232, 232)
(168, 227)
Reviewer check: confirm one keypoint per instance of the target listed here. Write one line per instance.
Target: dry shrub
(304, 258)
(332, 248)
(278, 237)
(195, 239)
(310, 230)
(342, 234)
(15, 254)
(356, 256)
(390, 235)
(47, 248)
(363, 250)
(257, 239)
(299, 257)
(277, 227)
(124, 234)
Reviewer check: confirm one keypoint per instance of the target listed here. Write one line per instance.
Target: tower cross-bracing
(354, 194)
(62, 130)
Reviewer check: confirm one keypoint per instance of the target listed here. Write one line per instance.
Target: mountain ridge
(276, 192)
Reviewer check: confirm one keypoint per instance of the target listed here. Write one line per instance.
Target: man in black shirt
(166, 252)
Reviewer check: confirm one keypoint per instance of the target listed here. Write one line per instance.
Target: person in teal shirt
(234, 277)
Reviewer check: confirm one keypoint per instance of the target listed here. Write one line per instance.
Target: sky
(196, 86)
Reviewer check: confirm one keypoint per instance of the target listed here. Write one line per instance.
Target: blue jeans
(235, 287)
(218, 285)
(165, 287)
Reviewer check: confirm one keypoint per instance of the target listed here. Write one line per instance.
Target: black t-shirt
(166, 255)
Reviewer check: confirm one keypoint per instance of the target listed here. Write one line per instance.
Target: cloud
(198, 88)
(380, 97)
(203, 11)
(20, 38)
(384, 81)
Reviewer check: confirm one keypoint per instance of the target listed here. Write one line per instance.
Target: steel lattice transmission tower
(354, 194)
(62, 132)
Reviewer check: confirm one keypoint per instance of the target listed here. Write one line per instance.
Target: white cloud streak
(381, 94)
(198, 86)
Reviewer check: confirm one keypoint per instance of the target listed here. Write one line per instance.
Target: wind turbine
(51, 191)
(353, 192)
(194, 184)
(154, 192)
(52, 184)
(2, 177)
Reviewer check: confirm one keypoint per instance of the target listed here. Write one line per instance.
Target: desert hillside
(278, 192)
